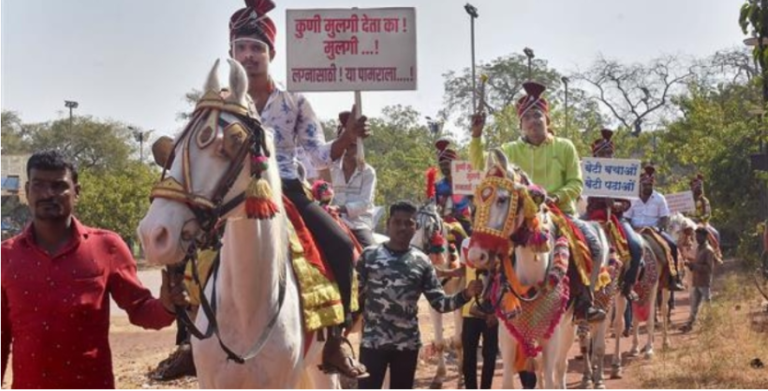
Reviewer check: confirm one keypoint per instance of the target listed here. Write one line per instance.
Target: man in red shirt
(57, 276)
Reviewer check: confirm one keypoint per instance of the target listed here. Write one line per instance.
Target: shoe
(338, 357)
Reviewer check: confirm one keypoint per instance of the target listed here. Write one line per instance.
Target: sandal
(336, 360)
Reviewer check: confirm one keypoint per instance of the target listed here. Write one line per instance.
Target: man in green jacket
(550, 162)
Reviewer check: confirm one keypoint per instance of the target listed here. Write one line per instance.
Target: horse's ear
(162, 150)
(212, 83)
(501, 159)
(238, 82)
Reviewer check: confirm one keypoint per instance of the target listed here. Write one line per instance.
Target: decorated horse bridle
(248, 136)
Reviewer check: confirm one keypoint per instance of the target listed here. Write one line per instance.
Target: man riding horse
(608, 211)
(290, 115)
(553, 163)
(452, 207)
(651, 211)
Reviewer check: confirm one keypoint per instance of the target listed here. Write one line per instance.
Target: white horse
(430, 223)
(254, 260)
(647, 286)
(501, 215)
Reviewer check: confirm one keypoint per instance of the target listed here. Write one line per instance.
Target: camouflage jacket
(390, 287)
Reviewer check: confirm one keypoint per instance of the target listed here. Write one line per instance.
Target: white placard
(464, 179)
(615, 178)
(362, 49)
(680, 202)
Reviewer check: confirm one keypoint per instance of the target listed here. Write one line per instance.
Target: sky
(133, 60)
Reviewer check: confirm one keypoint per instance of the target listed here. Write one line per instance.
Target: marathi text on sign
(351, 49)
(464, 179)
(617, 178)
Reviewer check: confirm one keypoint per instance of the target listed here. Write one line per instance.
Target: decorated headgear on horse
(698, 182)
(604, 143)
(499, 185)
(533, 99)
(444, 152)
(253, 22)
(648, 176)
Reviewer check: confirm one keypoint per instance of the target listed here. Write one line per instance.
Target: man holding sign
(252, 44)
(452, 206)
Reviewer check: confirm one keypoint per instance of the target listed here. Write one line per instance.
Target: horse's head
(678, 224)
(430, 236)
(221, 154)
(509, 212)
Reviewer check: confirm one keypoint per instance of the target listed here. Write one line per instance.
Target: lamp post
(565, 81)
(70, 104)
(472, 11)
(140, 137)
(529, 53)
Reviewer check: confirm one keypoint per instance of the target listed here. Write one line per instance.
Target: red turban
(603, 142)
(253, 21)
(444, 153)
(532, 99)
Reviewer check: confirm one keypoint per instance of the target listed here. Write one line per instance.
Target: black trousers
(401, 363)
(364, 236)
(472, 330)
(332, 240)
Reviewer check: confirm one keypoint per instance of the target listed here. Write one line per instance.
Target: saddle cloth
(320, 298)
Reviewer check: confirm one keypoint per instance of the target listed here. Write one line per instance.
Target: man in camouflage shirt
(392, 277)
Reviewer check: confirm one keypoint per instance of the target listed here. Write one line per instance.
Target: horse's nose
(160, 239)
(478, 257)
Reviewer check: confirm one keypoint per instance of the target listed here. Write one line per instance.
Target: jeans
(471, 332)
(635, 252)
(698, 294)
(401, 363)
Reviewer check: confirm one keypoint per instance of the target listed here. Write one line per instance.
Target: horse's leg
(598, 346)
(618, 329)
(551, 357)
(585, 345)
(651, 323)
(566, 333)
(665, 294)
(508, 347)
(458, 324)
(437, 328)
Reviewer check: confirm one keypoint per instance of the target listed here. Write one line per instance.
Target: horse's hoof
(600, 385)
(616, 372)
(666, 346)
(649, 354)
(436, 385)
(585, 384)
(633, 352)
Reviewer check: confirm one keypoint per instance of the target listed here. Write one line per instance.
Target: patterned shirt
(55, 308)
(357, 194)
(390, 285)
(295, 125)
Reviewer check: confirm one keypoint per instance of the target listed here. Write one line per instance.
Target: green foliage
(116, 199)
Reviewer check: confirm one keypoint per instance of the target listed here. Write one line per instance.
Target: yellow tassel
(258, 200)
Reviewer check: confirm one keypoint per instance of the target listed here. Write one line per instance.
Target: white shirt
(648, 214)
(295, 124)
(356, 195)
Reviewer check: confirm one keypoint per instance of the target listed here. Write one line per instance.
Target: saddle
(583, 252)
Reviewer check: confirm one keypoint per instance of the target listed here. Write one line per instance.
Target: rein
(209, 212)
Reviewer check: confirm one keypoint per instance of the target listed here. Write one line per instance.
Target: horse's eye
(205, 137)
(502, 200)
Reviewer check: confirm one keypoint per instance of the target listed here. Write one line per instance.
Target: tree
(753, 20)
(116, 199)
(91, 143)
(191, 99)
(636, 94)
(14, 138)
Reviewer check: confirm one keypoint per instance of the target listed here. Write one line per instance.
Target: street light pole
(70, 104)
(472, 11)
(529, 53)
(565, 81)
